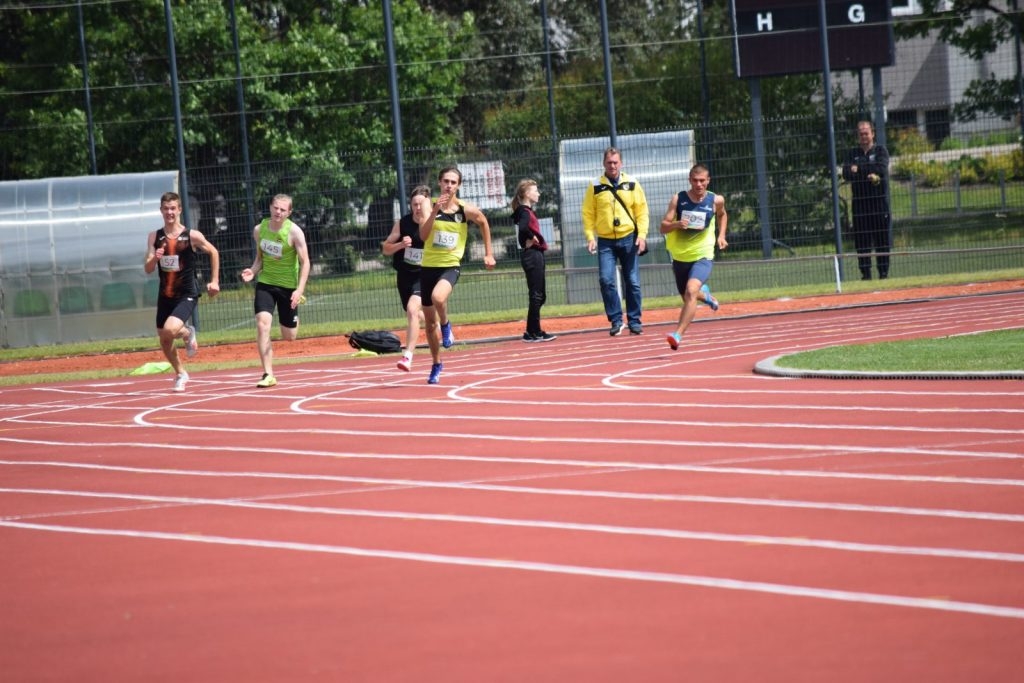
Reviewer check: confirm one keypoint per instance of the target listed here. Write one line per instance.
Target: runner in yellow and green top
(695, 222)
(444, 236)
(282, 267)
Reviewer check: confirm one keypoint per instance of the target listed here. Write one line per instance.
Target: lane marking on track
(552, 568)
(562, 462)
(488, 486)
(261, 503)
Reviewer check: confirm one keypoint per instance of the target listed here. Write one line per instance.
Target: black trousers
(871, 233)
(533, 266)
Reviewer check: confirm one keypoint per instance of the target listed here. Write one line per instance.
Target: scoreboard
(779, 37)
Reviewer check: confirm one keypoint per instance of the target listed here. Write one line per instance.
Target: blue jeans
(622, 250)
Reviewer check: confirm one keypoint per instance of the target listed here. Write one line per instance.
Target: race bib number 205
(695, 220)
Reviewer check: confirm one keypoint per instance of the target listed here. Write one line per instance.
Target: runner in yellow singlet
(444, 236)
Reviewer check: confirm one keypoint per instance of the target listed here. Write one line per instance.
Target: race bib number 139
(446, 240)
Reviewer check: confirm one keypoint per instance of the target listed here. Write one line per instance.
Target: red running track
(591, 509)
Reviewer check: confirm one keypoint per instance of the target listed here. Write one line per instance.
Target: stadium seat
(74, 299)
(150, 292)
(31, 302)
(116, 296)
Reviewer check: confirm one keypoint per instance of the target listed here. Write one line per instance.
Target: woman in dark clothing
(532, 247)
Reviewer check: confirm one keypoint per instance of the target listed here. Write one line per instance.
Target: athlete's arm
(198, 240)
(474, 214)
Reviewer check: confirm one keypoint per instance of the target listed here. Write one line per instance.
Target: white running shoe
(192, 343)
(406, 363)
(180, 381)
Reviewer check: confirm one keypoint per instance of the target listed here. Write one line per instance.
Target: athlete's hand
(248, 275)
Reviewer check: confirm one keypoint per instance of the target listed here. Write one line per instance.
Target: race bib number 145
(271, 248)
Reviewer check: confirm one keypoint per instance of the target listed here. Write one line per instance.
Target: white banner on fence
(483, 183)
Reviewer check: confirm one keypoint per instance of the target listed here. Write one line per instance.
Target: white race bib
(696, 219)
(272, 248)
(413, 256)
(169, 263)
(446, 240)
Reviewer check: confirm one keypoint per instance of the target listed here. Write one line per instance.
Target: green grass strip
(999, 351)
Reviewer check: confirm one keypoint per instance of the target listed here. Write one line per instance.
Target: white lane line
(560, 462)
(723, 424)
(142, 420)
(543, 491)
(297, 407)
(551, 568)
(261, 503)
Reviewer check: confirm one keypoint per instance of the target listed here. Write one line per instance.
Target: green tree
(314, 78)
(976, 28)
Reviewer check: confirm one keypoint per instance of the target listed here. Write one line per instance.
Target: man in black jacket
(866, 167)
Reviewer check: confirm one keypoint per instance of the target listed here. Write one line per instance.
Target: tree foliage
(312, 74)
(977, 28)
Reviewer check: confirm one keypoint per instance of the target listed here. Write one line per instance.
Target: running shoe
(406, 363)
(636, 329)
(180, 381)
(541, 336)
(447, 338)
(192, 343)
(267, 381)
(674, 340)
(435, 373)
(708, 299)
(617, 329)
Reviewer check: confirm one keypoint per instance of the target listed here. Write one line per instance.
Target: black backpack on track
(378, 341)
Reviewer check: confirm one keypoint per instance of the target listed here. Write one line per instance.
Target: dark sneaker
(636, 329)
(447, 338)
(435, 373)
(527, 337)
(544, 336)
(617, 329)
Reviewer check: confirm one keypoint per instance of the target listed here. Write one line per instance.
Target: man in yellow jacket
(615, 223)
